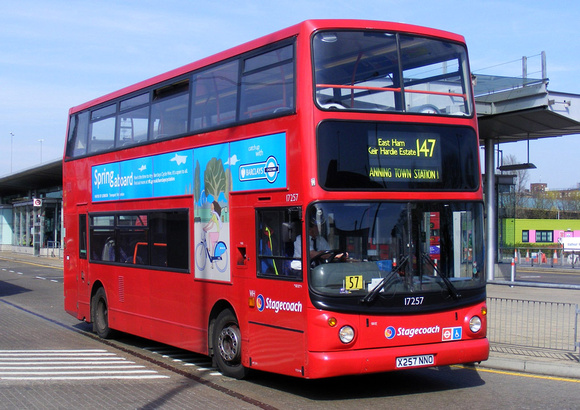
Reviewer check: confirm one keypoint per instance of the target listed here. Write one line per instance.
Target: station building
(31, 211)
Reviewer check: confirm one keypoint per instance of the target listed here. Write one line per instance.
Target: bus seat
(289, 232)
(140, 253)
(109, 250)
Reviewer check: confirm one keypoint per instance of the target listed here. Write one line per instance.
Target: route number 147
(425, 147)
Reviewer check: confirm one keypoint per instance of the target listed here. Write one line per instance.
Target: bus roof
(307, 26)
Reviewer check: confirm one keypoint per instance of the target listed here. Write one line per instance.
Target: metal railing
(533, 324)
(547, 256)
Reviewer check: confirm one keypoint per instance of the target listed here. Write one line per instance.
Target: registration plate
(414, 361)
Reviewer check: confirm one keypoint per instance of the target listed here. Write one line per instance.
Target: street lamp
(41, 140)
(11, 139)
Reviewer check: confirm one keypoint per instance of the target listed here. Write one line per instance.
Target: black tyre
(227, 345)
(100, 315)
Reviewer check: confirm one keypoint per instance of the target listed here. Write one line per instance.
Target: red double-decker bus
(190, 197)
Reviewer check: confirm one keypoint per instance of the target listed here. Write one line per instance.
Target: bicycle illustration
(202, 254)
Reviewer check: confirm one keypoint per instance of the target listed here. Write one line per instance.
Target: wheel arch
(217, 308)
(94, 289)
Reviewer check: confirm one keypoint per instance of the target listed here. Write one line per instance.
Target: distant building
(521, 232)
(537, 188)
(543, 217)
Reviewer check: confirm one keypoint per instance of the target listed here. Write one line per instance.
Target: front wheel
(100, 315)
(227, 345)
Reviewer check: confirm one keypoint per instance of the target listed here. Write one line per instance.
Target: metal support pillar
(490, 207)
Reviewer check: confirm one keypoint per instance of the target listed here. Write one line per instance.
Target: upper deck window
(133, 122)
(78, 134)
(254, 86)
(268, 84)
(169, 110)
(102, 129)
(215, 96)
(379, 71)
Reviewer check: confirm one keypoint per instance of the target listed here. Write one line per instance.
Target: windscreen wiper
(388, 279)
(452, 289)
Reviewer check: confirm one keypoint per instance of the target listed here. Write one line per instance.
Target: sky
(60, 53)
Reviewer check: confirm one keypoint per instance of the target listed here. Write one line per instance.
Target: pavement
(512, 358)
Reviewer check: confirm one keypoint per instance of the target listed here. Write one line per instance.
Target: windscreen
(378, 250)
(382, 71)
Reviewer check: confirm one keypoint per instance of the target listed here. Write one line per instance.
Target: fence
(548, 256)
(533, 324)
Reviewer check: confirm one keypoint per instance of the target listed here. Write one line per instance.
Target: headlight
(346, 334)
(475, 324)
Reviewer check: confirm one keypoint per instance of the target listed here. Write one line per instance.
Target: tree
(214, 178)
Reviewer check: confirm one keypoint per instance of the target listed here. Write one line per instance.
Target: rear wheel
(100, 315)
(227, 345)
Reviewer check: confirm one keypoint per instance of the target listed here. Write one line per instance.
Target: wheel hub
(229, 343)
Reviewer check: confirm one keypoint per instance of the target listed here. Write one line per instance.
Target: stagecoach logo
(260, 303)
(409, 332)
(267, 170)
(390, 332)
(277, 305)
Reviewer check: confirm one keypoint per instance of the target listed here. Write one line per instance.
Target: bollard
(513, 271)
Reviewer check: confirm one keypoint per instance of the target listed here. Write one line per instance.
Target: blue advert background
(160, 175)
(255, 164)
(259, 163)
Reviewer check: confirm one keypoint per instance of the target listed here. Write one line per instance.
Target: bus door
(277, 323)
(81, 271)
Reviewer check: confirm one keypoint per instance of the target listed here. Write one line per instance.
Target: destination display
(401, 156)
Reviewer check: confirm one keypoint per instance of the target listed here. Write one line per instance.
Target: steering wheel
(426, 109)
(328, 256)
(333, 105)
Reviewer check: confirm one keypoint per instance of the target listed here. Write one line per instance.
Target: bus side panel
(277, 326)
(156, 305)
(129, 298)
(178, 310)
(277, 350)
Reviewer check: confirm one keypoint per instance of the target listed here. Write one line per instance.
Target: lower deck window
(155, 238)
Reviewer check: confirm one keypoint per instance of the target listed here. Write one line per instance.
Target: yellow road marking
(31, 263)
(531, 376)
